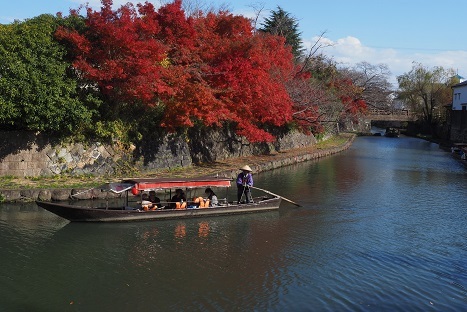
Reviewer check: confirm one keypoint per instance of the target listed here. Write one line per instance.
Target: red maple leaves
(210, 68)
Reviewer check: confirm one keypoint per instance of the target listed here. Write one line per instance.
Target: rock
(60, 194)
(82, 193)
(10, 195)
(44, 195)
(29, 194)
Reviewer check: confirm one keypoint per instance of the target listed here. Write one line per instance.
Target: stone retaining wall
(290, 160)
(260, 166)
(27, 154)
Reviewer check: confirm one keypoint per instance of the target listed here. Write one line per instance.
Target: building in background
(458, 112)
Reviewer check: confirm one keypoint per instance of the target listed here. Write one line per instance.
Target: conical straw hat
(246, 168)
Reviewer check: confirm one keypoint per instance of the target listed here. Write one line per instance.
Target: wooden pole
(286, 199)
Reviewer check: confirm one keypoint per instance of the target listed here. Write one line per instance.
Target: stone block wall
(210, 145)
(26, 154)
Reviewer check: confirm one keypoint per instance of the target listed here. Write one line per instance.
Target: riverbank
(63, 187)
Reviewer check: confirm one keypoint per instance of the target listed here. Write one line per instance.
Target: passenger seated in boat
(145, 202)
(155, 201)
(200, 202)
(211, 198)
(178, 201)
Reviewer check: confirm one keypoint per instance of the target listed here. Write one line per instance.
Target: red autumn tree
(350, 96)
(212, 68)
(247, 72)
(118, 52)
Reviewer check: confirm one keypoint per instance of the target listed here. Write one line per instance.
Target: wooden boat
(130, 209)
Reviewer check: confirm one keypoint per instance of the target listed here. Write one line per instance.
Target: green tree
(37, 90)
(283, 24)
(426, 90)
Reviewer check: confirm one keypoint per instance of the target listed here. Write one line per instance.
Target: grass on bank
(332, 142)
(56, 181)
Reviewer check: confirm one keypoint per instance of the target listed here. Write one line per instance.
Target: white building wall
(459, 97)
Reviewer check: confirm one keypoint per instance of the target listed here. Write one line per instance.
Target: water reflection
(150, 240)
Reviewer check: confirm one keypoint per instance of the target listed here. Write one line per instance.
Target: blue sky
(393, 32)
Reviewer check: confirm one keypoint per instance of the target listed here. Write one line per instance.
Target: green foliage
(6, 181)
(426, 90)
(320, 137)
(36, 92)
(282, 24)
(111, 130)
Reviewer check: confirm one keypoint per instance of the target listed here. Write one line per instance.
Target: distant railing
(389, 114)
(385, 112)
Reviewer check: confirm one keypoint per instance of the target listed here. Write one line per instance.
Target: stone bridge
(389, 115)
(381, 118)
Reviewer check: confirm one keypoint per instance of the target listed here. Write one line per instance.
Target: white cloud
(349, 51)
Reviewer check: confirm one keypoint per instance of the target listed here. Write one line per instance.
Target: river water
(382, 227)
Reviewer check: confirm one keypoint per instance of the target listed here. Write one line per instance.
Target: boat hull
(122, 214)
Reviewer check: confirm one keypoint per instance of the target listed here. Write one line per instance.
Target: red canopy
(174, 183)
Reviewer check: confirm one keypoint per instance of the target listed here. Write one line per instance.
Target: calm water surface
(383, 227)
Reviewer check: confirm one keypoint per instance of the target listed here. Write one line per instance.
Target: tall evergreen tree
(283, 24)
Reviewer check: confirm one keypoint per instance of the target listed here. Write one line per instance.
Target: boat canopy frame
(146, 184)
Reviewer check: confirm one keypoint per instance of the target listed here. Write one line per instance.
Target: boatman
(244, 181)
